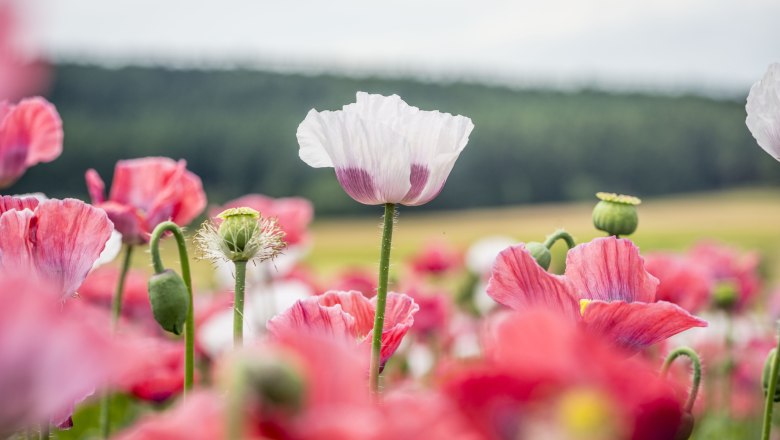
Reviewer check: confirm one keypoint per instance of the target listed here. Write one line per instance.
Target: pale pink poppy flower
(56, 241)
(30, 133)
(349, 315)
(146, 192)
(20, 74)
(606, 288)
(763, 111)
(682, 280)
(383, 150)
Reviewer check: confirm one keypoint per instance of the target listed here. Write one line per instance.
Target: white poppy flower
(384, 150)
(763, 111)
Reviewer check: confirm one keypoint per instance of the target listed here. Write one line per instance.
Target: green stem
(236, 402)
(696, 373)
(238, 307)
(770, 395)
(116, 312)
(44, 431)
(189, 326)
(560, 234)
(728, 365)
(381, 296)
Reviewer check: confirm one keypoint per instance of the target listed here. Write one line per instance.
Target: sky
(688, 45)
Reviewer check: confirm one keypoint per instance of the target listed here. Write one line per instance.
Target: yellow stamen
(584, 303)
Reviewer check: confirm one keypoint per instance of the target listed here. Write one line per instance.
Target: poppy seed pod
(169, 299)
(770, 359)
(725, 295)
(540, 253)
(616, 214)
(275, 384)
(238, 227)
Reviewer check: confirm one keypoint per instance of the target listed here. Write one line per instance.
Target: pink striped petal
(16, 253)
(95, 187)
(519, 283)
(30, 132)
(19, 203)
(309, 315)
(634, 326)
(354, 304)
(399, 318)
(610, 269)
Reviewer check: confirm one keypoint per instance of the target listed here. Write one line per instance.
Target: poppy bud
(238, 227)
(540, 253)
(725, 295)
(770, 359)
(169, 299)
(275, 384)
(686, 427)
(616, 214)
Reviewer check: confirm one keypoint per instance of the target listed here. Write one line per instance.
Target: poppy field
(151, 309)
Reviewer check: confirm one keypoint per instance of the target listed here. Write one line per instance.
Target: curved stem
(189, 326)
(381, 296)
(238, 307)
(695, 364)
(770, 395)
(116, 312)
(560, 234)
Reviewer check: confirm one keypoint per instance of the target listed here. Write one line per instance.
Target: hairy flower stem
(236, 405)
(189, 326)
(238, 307)
(695, 374)
(560, 234)
(116, 312)
(381, 296)
(770, 394)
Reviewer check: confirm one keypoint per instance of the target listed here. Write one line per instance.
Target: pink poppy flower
(682, 280)
(436, 259)
(362, 280)
(98, 289)
(30, 133)
(56, 241)
(349, 315)
(728, 265)
(146, 192)
(200, 417)
(293, 214)
(160, 374)
(19, 75)
(383, 150)
(606, 287)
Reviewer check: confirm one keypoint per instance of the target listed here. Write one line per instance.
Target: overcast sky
(665, 44)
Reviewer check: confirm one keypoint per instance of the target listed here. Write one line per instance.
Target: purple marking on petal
(418, 178)
(358, 184)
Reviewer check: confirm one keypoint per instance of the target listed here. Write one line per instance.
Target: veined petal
(354, 304)
(610, 269)
(634, 326)
(95, 186)
(518, 282)
(309, 315)
(30, 132)
(399, 318)
(763, 111)
(8, 203)
(16, 253)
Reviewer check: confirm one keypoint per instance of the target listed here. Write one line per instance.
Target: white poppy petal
(763, 111)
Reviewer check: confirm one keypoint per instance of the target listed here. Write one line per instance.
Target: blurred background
(568, 97)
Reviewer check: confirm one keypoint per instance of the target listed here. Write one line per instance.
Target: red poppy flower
(682, 280)
(146, 192)
(99, 287)
(56, 241)
(436, 259)
(349, 315)
(30, 133)
(606, 287)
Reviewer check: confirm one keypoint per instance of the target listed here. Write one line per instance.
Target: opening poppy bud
(767, 371)
(238, 227)
(275, 384)
(725, 295)
(686, 427)
(540, 253)
(169, 299)
(616, 214)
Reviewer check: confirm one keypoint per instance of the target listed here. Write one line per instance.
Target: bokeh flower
(30, 133)
(146, 192)
(763, 111)
(383, 150)
(606, 287)
(682, 280)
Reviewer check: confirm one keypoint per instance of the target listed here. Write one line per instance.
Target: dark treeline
(237, 131)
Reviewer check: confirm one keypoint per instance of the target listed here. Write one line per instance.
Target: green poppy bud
(686, 427)
(616, 214)
(169, 299)
(725, 295)
(238, 227)
(770, 359)
(540, 253)
(276, 384)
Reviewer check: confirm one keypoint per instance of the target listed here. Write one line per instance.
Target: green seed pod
(686, 427)
(616, 214)
(238, 227)
(170, 300)
(276, 384)
(767, 371)
(725, 295)
(540, 253)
